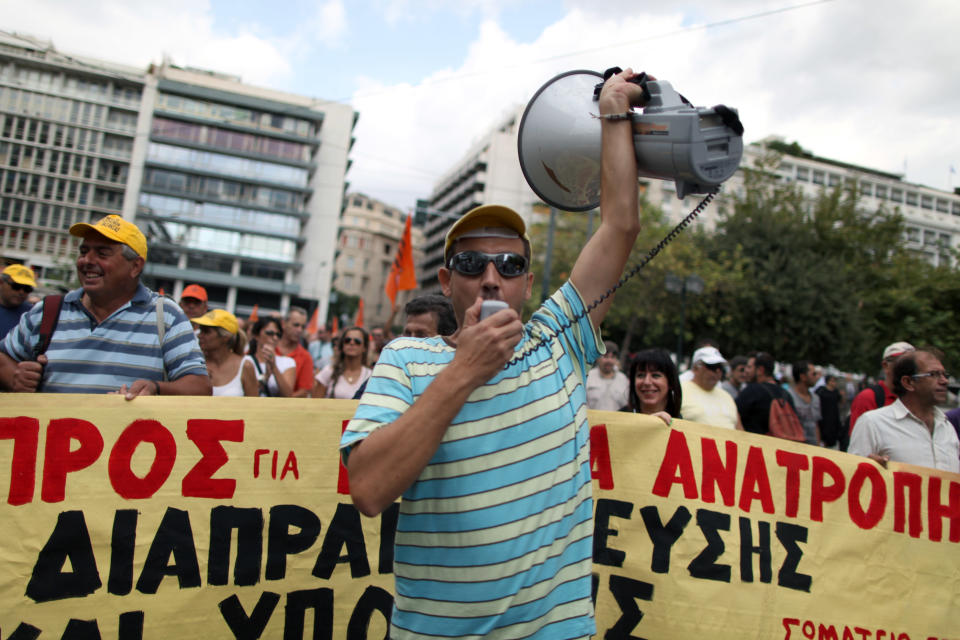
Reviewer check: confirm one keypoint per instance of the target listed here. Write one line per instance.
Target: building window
(881, 192)
(803, 174)
(866, 188)
(834, 180)
(818, 177)
(942, 205)
(926, 202)
(896, 195)
(912, 198)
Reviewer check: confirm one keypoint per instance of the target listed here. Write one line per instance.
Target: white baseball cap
(708, 355)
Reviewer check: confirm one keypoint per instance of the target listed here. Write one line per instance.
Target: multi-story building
(931, 216)
(489, 173)
(67, 133)
(238, 188)
(370, 232)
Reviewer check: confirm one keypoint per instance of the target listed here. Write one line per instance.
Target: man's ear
(138, 267)
(529, 288)
(443, 275)
(908, 383)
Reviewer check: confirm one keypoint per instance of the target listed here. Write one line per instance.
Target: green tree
(644, 312)
(824, 278)
(820, 278)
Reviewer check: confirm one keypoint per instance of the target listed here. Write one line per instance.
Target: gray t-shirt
(809, 414)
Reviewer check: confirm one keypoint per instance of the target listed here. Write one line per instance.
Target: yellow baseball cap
(115, 228)
(219, 318)
(21, 275)
(487, 221)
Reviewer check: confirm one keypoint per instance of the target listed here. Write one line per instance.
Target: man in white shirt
(704, 400)
(912, 429)
(608, 388)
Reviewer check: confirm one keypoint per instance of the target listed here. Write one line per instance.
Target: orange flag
(402, 276)
(358, 321)
(312, 325)
(253, 314)
(336, 326)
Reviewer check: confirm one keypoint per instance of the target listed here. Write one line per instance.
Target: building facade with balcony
(931, 216)
(370, 233)
(489, 173)
(237, 188)
(67, 133)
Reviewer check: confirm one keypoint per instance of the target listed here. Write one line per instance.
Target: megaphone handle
(640, 79)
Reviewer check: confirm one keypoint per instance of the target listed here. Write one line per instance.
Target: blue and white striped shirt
(86, 357)
(494, 538)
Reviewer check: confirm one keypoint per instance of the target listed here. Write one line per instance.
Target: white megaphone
(559, 141)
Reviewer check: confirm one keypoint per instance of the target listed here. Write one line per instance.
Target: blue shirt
(495, 536)
(87, 357)
(10, 316)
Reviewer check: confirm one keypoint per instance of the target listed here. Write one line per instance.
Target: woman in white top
(223, 343)
(349, 370)
(276, 374)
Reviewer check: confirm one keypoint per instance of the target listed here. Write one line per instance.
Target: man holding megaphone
(484, 433)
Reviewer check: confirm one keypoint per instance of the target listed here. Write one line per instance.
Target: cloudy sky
(869, 82)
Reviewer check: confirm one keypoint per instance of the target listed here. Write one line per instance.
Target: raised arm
(601, 262)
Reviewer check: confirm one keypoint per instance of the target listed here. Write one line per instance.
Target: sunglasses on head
(353, 341)
(473, 263)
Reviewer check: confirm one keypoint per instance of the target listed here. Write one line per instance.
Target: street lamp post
(675, 284)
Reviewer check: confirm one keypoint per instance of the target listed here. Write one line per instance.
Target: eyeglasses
(473, 263)
(714, 367)
(18, 287)
(353, 341)
(273, 334)
(928, 374)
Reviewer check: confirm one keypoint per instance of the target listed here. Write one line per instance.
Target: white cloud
(864, 84)
(138, 33)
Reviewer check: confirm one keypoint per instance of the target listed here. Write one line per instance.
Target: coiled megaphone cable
(566, 323)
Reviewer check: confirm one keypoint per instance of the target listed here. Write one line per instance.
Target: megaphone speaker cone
(559, 142)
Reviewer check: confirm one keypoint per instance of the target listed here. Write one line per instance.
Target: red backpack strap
(48, 323)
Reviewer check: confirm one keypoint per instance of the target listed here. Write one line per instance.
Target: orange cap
(194, 291)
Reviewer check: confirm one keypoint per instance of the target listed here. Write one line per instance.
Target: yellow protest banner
(230, 518)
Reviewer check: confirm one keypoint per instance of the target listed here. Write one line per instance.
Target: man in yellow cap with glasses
(16, 283)
(484, 433)
(113, 335)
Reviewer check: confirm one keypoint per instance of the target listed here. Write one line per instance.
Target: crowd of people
(478, 423)
(126, 338)
(899, 417)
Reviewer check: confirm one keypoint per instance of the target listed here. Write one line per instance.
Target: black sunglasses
(473, 263)
(714, 367)
(17, 286)
(353, 341)
(273, 334)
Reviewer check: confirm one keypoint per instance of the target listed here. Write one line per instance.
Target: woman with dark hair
(655, 385)
(342, 377)
(276, 374)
